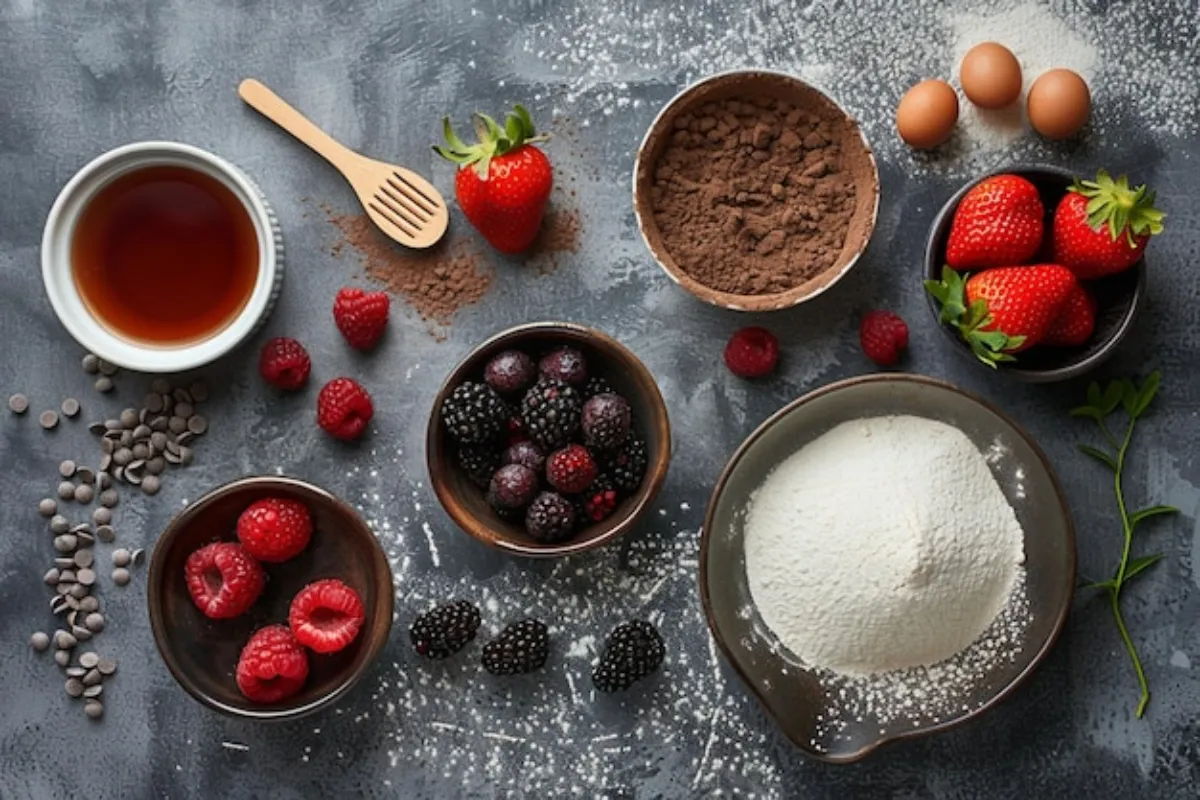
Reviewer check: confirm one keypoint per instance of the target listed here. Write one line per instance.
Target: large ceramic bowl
(798, 698)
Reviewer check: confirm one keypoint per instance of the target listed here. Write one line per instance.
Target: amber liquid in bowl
(165, 256)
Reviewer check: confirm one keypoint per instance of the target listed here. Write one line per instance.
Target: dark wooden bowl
(1118, 297)
(465, 502)
(202, 653)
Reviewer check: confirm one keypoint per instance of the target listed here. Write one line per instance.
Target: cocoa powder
(752, 196)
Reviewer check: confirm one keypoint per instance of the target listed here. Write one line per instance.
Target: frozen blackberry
(527, 454)
(633, 651)
(512, 487)
(564, 364)
(521, 647)
(479, 464)
(627, 464)
(551, 411)
(474, 413)
(444, 630)
(510, 372)
(550, 518)
(605, 420)
(597, 385)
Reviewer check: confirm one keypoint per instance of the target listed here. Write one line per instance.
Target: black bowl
(1118, 297)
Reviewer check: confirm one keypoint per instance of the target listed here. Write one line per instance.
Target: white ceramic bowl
(74, 314)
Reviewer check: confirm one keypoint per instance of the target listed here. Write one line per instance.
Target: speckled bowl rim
(933, 270)
(1060, 617)
(759, 302)
(159, 624)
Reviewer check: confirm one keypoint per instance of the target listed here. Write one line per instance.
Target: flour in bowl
(884, 544)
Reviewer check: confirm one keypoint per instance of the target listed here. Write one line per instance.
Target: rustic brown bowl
(791, 693)
(759, 83)
(202, 653)
(465, 502)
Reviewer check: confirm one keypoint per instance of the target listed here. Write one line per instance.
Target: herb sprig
(1101, 404)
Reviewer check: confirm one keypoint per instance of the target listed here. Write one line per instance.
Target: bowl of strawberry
(1038, 273)
(269, 598)
(548, 439)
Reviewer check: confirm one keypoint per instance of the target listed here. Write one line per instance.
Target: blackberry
(551, 411)
(633, 651)
(521, 647)
(510, 372)
(605, 420)
(474, 413)
(564, 364)
(512, 487)
(627, 465)
(597, 385)
(550, 518)
(444, 630)
(527, 454)
(479, 464)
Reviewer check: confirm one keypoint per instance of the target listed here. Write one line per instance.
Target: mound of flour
(884, 544)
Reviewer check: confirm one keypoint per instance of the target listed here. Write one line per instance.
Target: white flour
(884, 544)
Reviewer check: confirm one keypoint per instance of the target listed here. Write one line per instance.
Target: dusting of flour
(884, 544)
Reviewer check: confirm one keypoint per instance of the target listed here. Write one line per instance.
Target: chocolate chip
(139, 555)
(151, 484)
(160, 386)
(106, 368)
(141, 451)
(105, 465)
(66, 469)
(79, 591)
(182, 397)
(48, 420)
(58, 523)
(93, 691)
(94, 709)
(158, 441)
(84, 493)
(102, 516)
(141, 433)
(18, 404)
(75, 672)
(70, 407)
(176, 425)
(197, 424)
(120, 576)
(184, 409)
(126, 439)
(89, 659)
(92, 677)
(67, 576)
(129, 418)
(159, 424)
(62, 658)
(65, 543)
(121, 557)
(94, 622)
(64, 562)
(62, 588)
(156, 465)
(81, 633)
(75, 687)
(47, 507)
(52, 577)
(185, 456)
(122, 456)
(86, 576)
(109, 498)
(66, 490)
(91, 363)
(86, 475)
(89, 604)
(107, 666)
(153, 403)
(104, 384)
(106, 534)
(133, 475)
(63, 640)
(84, 557)
(58, 604)
(103, 480)
(86, 538)
(82, 527)
(40, 641)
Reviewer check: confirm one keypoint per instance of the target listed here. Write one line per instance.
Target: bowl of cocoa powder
(755, 191)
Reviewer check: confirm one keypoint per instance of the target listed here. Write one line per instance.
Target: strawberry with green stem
(1101, 227)
(503, 182)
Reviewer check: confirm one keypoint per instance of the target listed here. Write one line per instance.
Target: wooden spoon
(404, 205)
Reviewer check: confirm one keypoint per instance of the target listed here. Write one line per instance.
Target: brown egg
(990, 75)
(1059, 104)
(927, 113)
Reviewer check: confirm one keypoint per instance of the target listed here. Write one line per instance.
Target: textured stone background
(78, 78)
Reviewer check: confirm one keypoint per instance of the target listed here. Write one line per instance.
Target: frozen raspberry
(361, 316)
(273, 665)
(284, 363)
(565, 364)
(752, 353)
(883, 337)
(527, 454)
(223, 579)
(343, 409)
(326, 615)
(275, 529)
(571, 469)
(512, 487)
(600, 499)
(510, 372)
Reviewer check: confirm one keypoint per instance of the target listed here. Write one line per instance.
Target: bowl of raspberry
(548, 439)
(269, 598)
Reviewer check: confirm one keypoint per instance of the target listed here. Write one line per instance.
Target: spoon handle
(274, 108)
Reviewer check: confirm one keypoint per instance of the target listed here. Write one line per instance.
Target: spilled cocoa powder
(753, 196)
(559, 236)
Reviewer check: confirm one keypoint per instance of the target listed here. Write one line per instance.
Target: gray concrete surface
(79, 78)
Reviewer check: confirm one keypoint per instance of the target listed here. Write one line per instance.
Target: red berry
(361, 316)
(223, 579)
(344, 408)
(273, 665)
(883, 336)
(571, 469)
(274, 529)
(752, 353)
(600, 502)
(326, 615)
(284, 363)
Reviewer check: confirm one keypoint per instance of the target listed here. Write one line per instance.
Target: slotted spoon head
(401, 203)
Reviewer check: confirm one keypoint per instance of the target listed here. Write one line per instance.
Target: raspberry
(443, 631)
(223, 579)
(527, 454)
(606, 419)
(565, 364)
(361, 316)
(550, 518)
(510, 372)
(284, 363)
(600, 499)
(571, 469)
(273, 665)
(326, 615)
(512, 487)
(521, 647)
(633, 651)
(343, 409)
(275, 529)
(752, 353)
(883, 336)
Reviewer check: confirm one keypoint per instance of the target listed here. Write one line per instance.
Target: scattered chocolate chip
(176, 425)
(153, 403)
(151, 484)
(93, 691)
(120, 576)
(65, 543)
(58, 523)
(89, 604)
(75, 672)
(109, 498)
(122, 457)
(66, 469)
(97, 428)
(66, 490)
(84, 493)
(86, 475)
(81, 633)
(91, 363)
(139, 555)
(92, 677)
(185, 456)
(62, 658)
(121, 557)
(107, 666)
(104, 384)
(86, 538)
(86, 576)
(156, 465)
(197, 424)
(58, 604)
(18, 404)
(141, 433)
(141, 451)
(107, 369)
(89, 659)
(94, 709)
(129, 418)
(63, 640)
(40, 641)
(103, 480)
(159, 424)
(94, 622)
(47, 507)
(79, 591)
(70, 407)
(52, 577)
(182, 397)
(106, 534)
(84, 557)
(64, 562)
(75, 687)
(102, 515)
(48, 419)
(67, 575)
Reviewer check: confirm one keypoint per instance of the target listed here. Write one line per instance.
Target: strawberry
(1004, 310)
(502, 183)
(1075, 322)
(361, 316)
(1101, 227)
(997, 223)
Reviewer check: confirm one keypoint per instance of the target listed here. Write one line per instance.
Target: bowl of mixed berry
(548, 439)
(269, 598)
